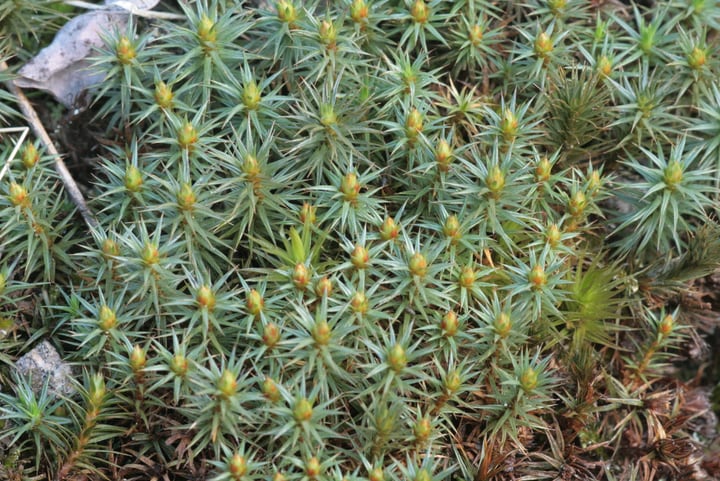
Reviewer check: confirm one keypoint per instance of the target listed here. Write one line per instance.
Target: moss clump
(387, 239)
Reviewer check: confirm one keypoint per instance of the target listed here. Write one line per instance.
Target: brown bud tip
(137, 358)
(251, 168)
(206, 31)
(251, 95)
(449, 324)
(495, 180)
(324, 287)
(423, 429)
(286, 12)
(543, 169)
(186, 197)
(418, 265)
(475, 35)
(125, 50)
(553, 235)
(537, 277)
(313, 468)
(467, 277)
(443, 155)
(360, 257)
(376, 474)
(420, 11)
(414, 124)
(673, 174)
(19, 196)
(300, 276)
(604, 66)
(179, 365)
(451, 229)
(452, 382)
(187, 136)
(556, 6)
(308, 213)
(227, 384)
(255, 303)
(163, 95)
(697, 58)
(529, 379)
(110, 248)
(389, 230)
(303, 410)
(666, 325)
(150, 254)
(594, 182)
(205, 298)
(133, 179)
(359, 11)
(502, 324)
(543, 45)
(577, 203)
(30, 155)
(271, 335)
(359, 303)
(509, 125)
(350, 187)
(397, 360)
(322, 333)
(270, 390)
(107, 319)
(237, 466)
(328, 34)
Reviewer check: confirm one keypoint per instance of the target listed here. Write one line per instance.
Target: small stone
(43, 364)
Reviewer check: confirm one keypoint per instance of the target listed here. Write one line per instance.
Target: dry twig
(40, 132)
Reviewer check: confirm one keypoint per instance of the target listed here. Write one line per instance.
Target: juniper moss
(375, 240)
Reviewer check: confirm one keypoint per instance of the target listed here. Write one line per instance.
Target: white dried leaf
(62, 67)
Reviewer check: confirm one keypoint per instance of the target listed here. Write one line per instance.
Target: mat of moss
(383, 240)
